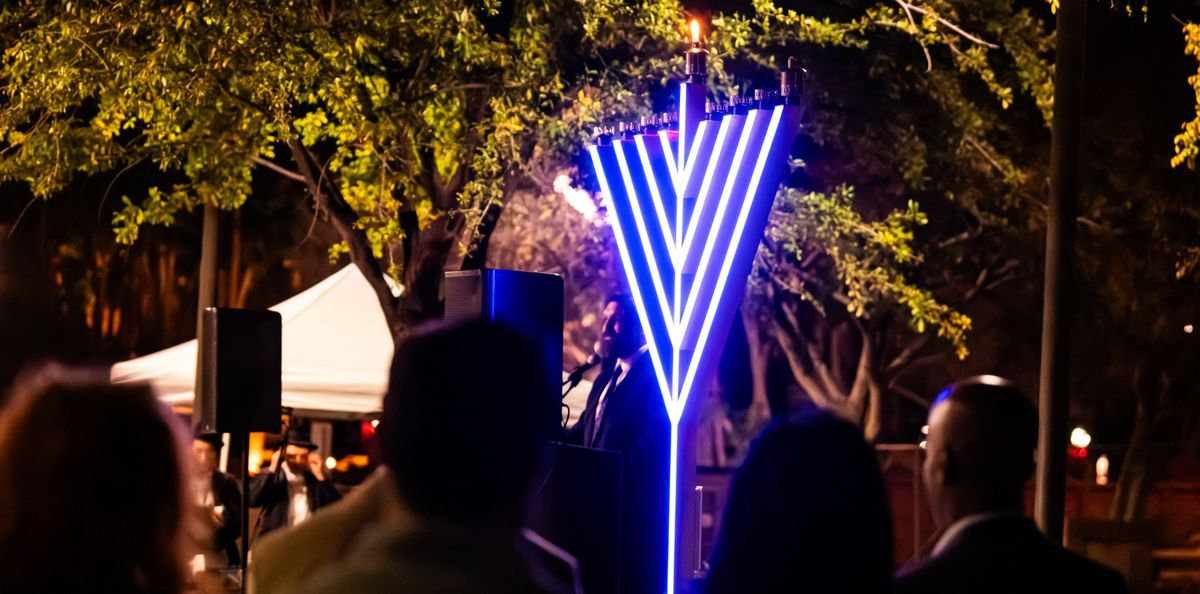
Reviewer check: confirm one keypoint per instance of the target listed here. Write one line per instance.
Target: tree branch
(913, 22)
(277, 169)
(946, 23)
(906, 356)
(343, 217)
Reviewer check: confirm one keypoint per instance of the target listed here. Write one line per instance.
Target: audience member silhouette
(807, 512)
(979, 455)
(465, 422)
(70, 520)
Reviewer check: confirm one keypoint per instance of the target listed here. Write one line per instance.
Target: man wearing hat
(219, 501)
(290, 492)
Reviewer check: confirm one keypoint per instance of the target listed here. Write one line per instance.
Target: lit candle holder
(692, 93)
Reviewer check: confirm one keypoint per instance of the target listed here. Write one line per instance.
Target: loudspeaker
(529, 302)
(241, 363)
(577, 506)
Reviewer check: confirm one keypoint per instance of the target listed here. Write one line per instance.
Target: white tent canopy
(336, 353)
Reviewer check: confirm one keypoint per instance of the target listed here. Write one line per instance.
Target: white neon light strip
(656, 274)
(672, 506)
(682, 180)
(660, 209)
(627, 263)
(689, 233)
(738, 230)
(710, 244)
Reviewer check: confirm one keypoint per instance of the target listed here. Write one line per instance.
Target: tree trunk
(760, 360)
(1132, 485)
(422, 299)
(327, 197)
(873, 417)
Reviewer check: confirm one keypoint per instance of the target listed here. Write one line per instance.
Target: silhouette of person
(978, 457)
(807, 512)
(466, 421)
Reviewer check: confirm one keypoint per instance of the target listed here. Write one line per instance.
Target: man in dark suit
(219, 501)
(291, 492)
(625, 413)
(978, 457)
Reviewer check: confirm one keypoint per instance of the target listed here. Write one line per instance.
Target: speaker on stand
(239, 388)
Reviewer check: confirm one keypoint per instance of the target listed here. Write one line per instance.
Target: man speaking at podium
(625, 413)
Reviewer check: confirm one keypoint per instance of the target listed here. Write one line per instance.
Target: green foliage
(1187, 142)
(871, 261)
(394, 98)
(435, 109)
(909, 102)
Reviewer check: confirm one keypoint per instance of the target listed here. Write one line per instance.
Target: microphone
(577, 375)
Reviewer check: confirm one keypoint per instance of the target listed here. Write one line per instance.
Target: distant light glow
(1188, 329)
(1102, 466)
(331, 463)
(576, 198)
(375, 423)
(1080, 438)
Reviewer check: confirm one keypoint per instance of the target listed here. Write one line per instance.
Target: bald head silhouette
(980, 448)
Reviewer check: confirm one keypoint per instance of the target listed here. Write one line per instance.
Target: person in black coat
(291, 492)
(219, 498)
(978, 457)
(625, 413)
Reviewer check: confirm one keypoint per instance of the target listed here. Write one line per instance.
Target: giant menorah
(688, 200)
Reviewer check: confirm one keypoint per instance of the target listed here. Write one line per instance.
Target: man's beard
(297, 468)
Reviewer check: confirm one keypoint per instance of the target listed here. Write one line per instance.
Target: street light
(1102, 465)
(1080, 438)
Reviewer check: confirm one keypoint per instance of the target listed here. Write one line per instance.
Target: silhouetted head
(621, 335)
(807, 512)
(465, 421)
(93, 496)
(980, 447)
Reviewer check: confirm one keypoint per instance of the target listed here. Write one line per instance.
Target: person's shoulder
(927, 577)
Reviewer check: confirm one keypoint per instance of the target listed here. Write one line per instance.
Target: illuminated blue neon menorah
(688, 209)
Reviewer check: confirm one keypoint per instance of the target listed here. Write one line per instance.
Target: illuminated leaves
(870, 262)
(1187, 142)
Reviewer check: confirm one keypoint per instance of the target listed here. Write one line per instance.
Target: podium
(576, 506)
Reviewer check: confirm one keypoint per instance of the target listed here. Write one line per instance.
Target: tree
(916, 110)
(404, 122)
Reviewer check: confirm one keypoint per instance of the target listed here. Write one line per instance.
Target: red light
(1077, 453)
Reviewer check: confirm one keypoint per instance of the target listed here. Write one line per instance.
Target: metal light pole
(1050, 498)
(207, 295)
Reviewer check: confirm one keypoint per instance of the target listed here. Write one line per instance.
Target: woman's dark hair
(92, 497)
(807, 512)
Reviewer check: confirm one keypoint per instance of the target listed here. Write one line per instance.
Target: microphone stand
(573, 380)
